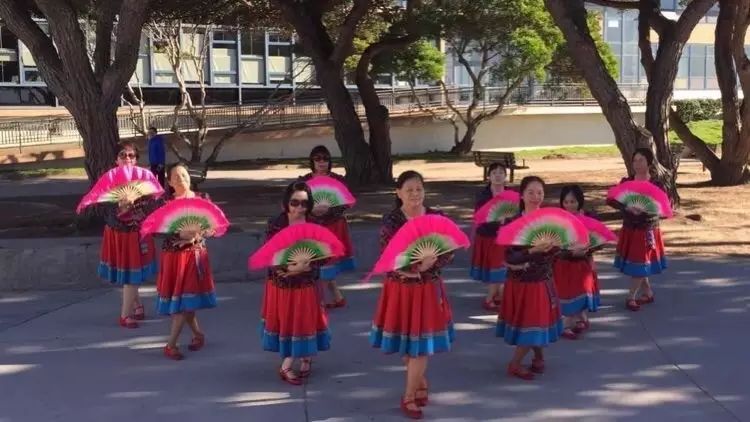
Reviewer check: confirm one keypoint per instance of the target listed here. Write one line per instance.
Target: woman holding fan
(293, 321)
(640, 249)
(332, 218)
(487, 257)
(126, 259)
(413, 316)
(530, 315)
(575, 279)
(185, 283)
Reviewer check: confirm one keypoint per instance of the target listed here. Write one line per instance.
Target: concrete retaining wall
(70, 263)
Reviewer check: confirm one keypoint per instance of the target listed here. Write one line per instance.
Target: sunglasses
(321, 158)
(127, 155)
(298, 203)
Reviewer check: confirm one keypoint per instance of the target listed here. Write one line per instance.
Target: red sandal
(411, 414)
(633, 305)
(537, 366)
(304, 373)
(520, 372)
(336, 304)
(173, 353)
(422, 401)
(569, 334)
(284, 374)
(139, 313)
(197, 343)
(489, 305)
(128, 322)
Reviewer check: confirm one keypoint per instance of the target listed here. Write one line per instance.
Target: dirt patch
(711, 221)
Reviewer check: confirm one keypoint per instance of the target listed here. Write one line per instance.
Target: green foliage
(696, 110)
(563, 70)
(502, 40)
(420, 61)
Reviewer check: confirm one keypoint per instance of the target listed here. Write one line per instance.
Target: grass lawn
(708, 130)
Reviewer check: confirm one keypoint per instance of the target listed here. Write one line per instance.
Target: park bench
(508, 159)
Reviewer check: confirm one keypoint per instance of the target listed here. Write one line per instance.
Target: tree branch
(105, 14)
(132, 17)
(615, 4)
(348, 29)
(449, 103)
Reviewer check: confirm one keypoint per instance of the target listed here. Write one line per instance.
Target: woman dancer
(640, 248)
(574, 274)
(530, 316)
(413, 316)
(185, 283)
(333, 219)
(487, 257)
(293, 321)
(126, 259)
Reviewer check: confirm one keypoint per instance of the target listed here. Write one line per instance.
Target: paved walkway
(684, 358)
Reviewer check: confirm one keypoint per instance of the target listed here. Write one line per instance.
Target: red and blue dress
(640, 247)
(335, 220)
(530, 315)
(185, 282)
(293, 321)
(487, 257)
(576, 282)
(126, 258)
(413, 316)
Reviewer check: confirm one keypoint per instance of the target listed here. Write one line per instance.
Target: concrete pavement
(62, 358)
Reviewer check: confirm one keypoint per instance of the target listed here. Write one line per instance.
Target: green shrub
(695, 110)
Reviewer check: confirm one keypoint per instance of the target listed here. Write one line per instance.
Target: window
(30, 71)
(142, 68)
(253, 43)
(32, 96)
(224, 57)
(280, 63)
(711, 81)
(681, 82)
(277, 37)
(668, 4)
(697, 66)
(8, 56)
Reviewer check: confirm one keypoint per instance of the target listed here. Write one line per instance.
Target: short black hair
(646, 153)
(576, 191)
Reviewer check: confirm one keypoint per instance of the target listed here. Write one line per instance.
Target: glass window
(252, 70)
(697, 66)
(34, 96)
(278, 37)
(629, 69)
(711, 81)
(8, 56)
(229, 36)
(681, 82)
(253, 43)
(668, 4)
(224, 62)
(613, 31)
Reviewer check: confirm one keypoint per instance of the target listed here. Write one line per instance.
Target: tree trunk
(378, 125)
(98, 128)
(570, 17)
(467, 142)
(347, 127)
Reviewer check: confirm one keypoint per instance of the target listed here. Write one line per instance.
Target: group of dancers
(539, 293)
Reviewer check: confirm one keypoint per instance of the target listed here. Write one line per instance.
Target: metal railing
(30, 131)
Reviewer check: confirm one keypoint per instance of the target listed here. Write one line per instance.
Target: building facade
(243, 66)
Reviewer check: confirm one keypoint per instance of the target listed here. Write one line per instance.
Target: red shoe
(519, 372)
(284, 374)
(645, 299)
(489, 305)
(412, 414)
(422, 401)
(139, 313)
(128, 322)
(633, 305)
(197, 343)
(583, 325)
(537, 366)
(173, 353)
(304, 373)
(569, 334)
(336, 304)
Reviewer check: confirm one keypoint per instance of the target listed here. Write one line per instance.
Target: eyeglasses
(127, 155)
(298, 203)
(321, 158)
